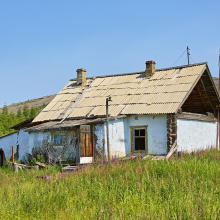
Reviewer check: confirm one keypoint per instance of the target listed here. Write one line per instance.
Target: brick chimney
(150, 68)
(81, 76)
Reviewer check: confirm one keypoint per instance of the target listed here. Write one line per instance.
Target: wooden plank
(87, 145)
(198, 117)
(201, 97)
(92, 141)
(86, 141)
(206, 92)
(172, 150)
(84, 144)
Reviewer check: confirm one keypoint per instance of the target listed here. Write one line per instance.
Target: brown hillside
(32, 102)
(46, 99)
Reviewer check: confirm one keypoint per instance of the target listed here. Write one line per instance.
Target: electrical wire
(179, 57)
(192, 59)
(186, 61)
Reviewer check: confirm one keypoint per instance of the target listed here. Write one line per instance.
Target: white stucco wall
(120, 135)
(21, 138)
(195, 135)
(36, 139)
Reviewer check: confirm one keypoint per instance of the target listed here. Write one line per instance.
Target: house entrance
(86, 144)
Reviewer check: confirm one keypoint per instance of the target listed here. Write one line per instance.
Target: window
(58, 139)
(139, 138)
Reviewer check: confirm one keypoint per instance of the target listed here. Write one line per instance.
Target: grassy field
(181, 188)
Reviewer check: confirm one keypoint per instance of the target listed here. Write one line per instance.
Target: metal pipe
(219, 73)
(107, 129)
(188, 54)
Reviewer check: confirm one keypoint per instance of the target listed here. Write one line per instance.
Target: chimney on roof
(150, 68)
(81, 76)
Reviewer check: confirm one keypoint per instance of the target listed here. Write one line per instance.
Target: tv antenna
(188, 53)
(219, 72)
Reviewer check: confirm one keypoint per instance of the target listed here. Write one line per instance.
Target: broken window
(139, 138)
(58, 139)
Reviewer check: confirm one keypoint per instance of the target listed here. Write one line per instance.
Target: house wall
(120, 135)
(195, 135)
(20, 139)
(41, 143)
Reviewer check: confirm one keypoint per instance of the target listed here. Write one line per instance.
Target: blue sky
(42, 43)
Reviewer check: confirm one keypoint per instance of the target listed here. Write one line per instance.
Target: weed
(186, 187)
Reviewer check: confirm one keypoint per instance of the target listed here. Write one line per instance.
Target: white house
(20, 141)
(150, 111)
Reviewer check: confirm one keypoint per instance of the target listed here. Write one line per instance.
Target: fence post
(12, 156)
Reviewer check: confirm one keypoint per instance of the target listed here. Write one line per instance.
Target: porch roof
(66, 125)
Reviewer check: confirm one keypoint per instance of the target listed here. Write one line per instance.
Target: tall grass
(181, 188)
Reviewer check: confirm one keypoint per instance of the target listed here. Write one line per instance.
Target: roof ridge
(141, 72)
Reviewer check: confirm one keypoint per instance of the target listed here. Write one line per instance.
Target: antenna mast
(219, 73)
(188, 53)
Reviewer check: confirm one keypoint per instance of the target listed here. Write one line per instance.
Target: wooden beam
(199, 91)
(198, 117)
(206, 92)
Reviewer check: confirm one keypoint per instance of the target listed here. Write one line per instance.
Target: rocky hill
(32, 102)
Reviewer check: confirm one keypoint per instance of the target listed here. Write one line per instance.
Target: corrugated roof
(131, 94)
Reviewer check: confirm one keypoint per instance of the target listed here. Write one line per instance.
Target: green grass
(181, 188)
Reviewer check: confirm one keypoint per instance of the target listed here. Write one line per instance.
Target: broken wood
(20, 167)
(172, 150)
(32, 167)
(40, 164)
(70, 168)
(199, 117)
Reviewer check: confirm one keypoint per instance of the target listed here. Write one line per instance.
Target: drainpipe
(107, 128)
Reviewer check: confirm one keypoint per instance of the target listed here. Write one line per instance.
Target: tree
(33, 112)
(5, 110)
(26, 111)
(20, 116)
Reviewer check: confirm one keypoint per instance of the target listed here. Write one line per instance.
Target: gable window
(58, 139)
(139, 138)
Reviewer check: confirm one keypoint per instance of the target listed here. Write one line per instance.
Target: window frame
(58, 134)
(132, 130)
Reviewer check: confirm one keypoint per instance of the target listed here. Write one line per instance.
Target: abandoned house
(18, 139)
(148, 113)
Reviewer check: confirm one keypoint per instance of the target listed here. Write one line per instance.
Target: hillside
(31, 103)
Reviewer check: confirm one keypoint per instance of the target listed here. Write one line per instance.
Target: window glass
(136, 133)
(139, 139)
(58, 139)
(142, 132)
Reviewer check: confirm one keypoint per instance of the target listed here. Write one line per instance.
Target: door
(86, 144)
